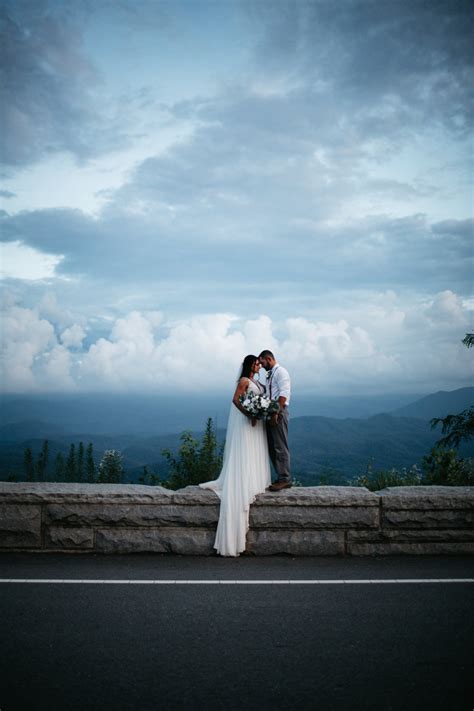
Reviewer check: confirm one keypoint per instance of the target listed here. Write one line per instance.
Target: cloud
(72, 337)
(7, 194)
(49, 308)
(50, 91)
(447, 306)
(183, 263)
(25, 339)
(463, 229)
(316, 203)
(391, 65)
(387, 347)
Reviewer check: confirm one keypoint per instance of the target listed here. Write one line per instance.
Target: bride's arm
(241, 389)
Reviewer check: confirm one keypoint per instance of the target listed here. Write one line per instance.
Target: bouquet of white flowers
(259, 406)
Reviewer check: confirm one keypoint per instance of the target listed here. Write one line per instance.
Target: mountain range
(323, 448)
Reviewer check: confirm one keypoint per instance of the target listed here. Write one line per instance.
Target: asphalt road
(386, 647)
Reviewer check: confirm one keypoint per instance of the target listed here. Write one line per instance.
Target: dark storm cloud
(376, 252)
(404, 60)
(463, 229)
(47, 87)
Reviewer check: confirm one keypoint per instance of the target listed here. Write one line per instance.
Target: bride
(246, 466)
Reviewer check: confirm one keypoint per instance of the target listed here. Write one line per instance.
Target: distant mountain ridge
(438, 404)
(342, 449)
(334, 449)
(149, 415)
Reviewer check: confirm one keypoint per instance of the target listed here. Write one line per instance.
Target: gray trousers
(278, 446)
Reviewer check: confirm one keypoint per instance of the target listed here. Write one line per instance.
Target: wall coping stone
(427, 497)
(390, 497)
(51, 492)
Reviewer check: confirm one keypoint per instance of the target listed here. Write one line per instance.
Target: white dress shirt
(279, 383)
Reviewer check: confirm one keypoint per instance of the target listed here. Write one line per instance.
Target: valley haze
(324, 448)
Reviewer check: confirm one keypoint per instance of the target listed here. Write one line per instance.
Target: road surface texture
(158, 633)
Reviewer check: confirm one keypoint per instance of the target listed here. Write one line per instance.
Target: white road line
(92, 581)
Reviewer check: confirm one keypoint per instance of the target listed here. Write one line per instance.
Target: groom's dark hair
(265, 354)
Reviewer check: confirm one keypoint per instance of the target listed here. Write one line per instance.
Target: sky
(187, 182)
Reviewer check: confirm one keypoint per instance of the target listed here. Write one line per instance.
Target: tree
(80, 462)
(59, 467)
(210, 454)
(90, 464)
(29, 466)
(71, 464)
(196, 461)
(182, 468)
(456, 428)
(442, 466)
(148, 478)
(110, 467)
(42, 462)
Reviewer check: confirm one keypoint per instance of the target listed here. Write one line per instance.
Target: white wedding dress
(245, 473)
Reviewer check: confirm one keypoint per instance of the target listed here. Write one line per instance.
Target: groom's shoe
(279, 485)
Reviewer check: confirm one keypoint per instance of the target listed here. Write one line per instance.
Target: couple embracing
(250, 445)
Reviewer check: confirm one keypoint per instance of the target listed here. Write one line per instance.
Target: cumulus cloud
(25, 338)
(146, 351)
(72, 337)
(447, 306)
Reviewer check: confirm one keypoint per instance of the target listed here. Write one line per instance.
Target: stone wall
(320, 520)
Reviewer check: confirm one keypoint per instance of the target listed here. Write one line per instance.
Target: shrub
(110, 467)
(196, 461)
(381, 478)
(443, 466)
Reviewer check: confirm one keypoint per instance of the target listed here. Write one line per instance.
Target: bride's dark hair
(247, 366)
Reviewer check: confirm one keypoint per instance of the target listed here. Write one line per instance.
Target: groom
(279, 389)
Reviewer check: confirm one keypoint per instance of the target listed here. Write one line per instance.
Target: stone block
(194, 496)
(319, 496)
(132, 515)
(57, 492)
(296, 517)
(20, 526)
(439, 518)
(427, 498)
(68, 538)
(181, 541)
(297, 543)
